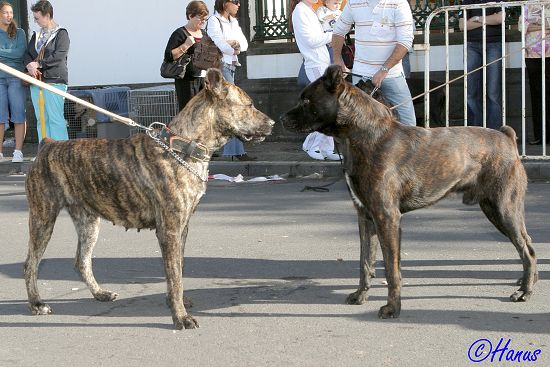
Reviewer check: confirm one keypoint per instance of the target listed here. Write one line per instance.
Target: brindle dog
(134, 183)
(391, 169)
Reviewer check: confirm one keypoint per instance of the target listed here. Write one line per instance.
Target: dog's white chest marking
(354, 196)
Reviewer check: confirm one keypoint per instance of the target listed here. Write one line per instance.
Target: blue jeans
(12, 101)
(234, 146)
(396, 91)
(493, 85)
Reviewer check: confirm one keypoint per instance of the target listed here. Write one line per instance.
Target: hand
(32, 67)
(379, 77)
(340, 62)
(189, 41)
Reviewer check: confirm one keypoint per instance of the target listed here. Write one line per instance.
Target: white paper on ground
(240, 178)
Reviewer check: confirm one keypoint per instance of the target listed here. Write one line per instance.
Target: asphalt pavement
(282, 157)
(268, 267)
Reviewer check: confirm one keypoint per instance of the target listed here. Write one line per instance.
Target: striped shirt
(379, 26)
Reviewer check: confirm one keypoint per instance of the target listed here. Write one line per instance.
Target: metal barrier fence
(518, 6)
(272, 17)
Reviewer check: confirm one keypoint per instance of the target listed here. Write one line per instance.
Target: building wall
(117, 42)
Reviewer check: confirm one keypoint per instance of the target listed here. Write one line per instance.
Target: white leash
(29, 79)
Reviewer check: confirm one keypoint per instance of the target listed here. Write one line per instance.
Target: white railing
(521, 25)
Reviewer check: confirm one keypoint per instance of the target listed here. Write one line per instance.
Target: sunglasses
(235, 2)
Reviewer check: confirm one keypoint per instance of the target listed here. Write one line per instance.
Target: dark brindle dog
(392, 169)
(135, 183)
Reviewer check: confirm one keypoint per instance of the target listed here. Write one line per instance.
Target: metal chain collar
(150, 131)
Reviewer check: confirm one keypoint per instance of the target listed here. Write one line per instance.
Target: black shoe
(535, 142)
(245, 157)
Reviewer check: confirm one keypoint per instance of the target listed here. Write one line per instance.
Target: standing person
(312, 42)
(52, 69)
(182, 41)
(12, 93)
(226, 33)
(474, 24)
(383, 36)
(534, 20)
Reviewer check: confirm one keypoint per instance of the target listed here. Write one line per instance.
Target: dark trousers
(187, 89)
(534, 71)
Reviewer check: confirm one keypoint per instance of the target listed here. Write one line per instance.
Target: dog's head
(222, 110)
(335, 107)
(317, 109)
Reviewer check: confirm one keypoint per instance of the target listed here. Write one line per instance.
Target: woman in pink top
(535, 21)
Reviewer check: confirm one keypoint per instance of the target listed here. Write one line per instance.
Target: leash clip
(374, 91)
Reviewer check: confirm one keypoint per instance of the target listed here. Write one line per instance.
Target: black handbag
(175, 69)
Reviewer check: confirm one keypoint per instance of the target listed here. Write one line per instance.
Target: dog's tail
(510, 133)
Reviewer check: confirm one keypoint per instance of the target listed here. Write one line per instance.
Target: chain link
(152, 135)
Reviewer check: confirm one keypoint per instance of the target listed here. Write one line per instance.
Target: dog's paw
(357, 298)
(521, 296)
(105, 296)
(186, 322)
(40, 309)
(388, 312)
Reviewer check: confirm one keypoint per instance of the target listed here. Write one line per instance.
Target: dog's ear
(333, 77)
(213, 82)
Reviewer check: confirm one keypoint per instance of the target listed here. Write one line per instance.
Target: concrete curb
(536, 170)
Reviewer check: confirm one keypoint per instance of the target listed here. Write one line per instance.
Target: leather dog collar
(184, 146)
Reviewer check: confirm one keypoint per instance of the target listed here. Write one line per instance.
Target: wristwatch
(476, 19)
(384, 68)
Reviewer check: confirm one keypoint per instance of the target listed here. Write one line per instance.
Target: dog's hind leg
(42, 218)
(508, 217)
(87, 229)
(171, 248)
(369, 245)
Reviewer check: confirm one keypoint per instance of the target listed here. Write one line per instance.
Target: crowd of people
(383, 33)
(44, 57)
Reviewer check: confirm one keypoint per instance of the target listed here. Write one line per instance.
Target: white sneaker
(315, 154)
(2, 159)
(17, 156)
(332, 156)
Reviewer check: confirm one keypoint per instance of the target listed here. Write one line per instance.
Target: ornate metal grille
(272, 17)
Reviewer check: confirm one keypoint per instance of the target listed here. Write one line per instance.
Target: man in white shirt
(383, 36)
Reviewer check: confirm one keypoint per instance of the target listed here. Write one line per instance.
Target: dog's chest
(353, 192)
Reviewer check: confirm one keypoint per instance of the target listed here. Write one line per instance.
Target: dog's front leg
(187, 302)
(369, 244)
(389, 233)
(171, 247)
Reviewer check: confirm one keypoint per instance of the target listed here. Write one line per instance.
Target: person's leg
(547, 98)
(4, 116)
(234, 147)
(494, 86)
(17, 97)
(228, 73)
(397, 92)
(187, 89)
(535, 87)
(35, 103)
(406, 66)
(56, 125)
(475, 112)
